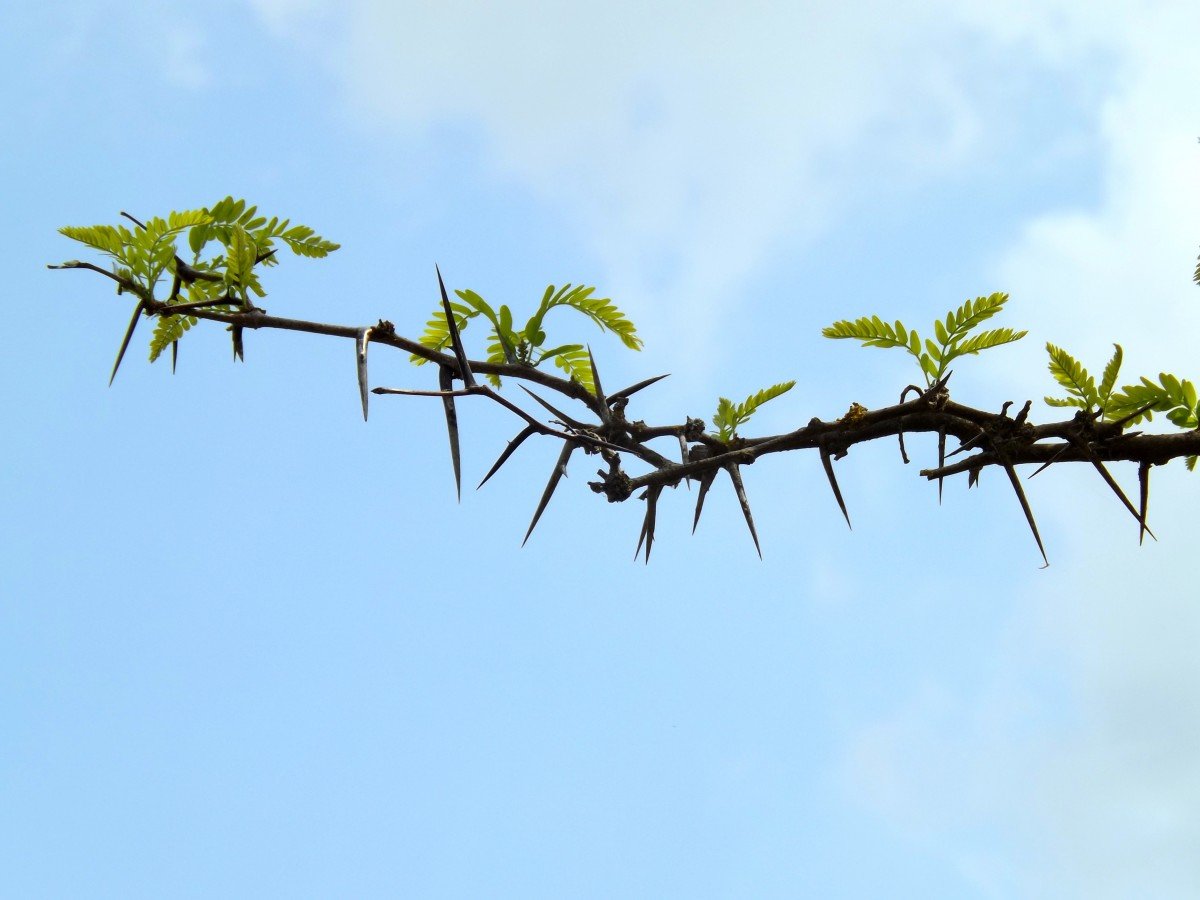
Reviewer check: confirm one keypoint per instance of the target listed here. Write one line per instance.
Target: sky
(251, 646)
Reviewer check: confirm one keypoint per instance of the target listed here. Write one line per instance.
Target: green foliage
(1131, 404)
(952, 335)
(1080, 385)
(167, 330)
(1170, 395)
(526, 346)
(730, 416)
(144, 254)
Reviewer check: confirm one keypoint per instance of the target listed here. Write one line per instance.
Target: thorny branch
(995, 438)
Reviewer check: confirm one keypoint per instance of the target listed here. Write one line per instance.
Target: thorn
(360, 358)
(446, 383)
(174, 355)
(706, 481)
(1016, 483)
(1051, 461)
(560, 469)
(966, 445)
(508, 451)
(1144, 499)
(464, 368)
(735, 476)
(137, 311)
(1120, 423)
(837, 492)
(1112, 483)
(683, 455)
(596, 380)
(563, 417)
(941, 460)
(633, 389)
(238, 349)
(647, 533)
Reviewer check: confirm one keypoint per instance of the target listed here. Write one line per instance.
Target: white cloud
(1104, 803)
(688, 141)
(692, 141)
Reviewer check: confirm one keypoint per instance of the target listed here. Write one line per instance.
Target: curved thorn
(1144, 499)
(1020, 491)
(560, 469)
(361, 340)
(508, 451)
(633, 389)
(464, 368)
(735, 475)
(900, 434)
(837, 492)
(137, 311)
(563, 417)
(446, 382)
(706, 481)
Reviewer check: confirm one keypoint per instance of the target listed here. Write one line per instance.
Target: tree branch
(995, 438)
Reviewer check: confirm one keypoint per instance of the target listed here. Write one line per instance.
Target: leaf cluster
(1132, 403)
(526, 346)
(953, 335)
(730, 416)
(243, 239)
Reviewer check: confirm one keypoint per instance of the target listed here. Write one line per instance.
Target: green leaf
(1172, 396)
(104, 238)
(1071, 374)
(1064, 401)
(574, 361)
(973, 312)
(941, 333)
(437, 332)
(985, 340)
(600, 310)
(730, 416)
(242, 254)
(1109, 377)
(167, 330)
(873, 332)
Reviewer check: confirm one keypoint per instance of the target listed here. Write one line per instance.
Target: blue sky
(251, 646)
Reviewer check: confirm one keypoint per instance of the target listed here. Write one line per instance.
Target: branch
(993, 438)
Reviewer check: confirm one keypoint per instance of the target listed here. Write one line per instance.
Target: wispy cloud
(689, 143)
(1100, 800)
